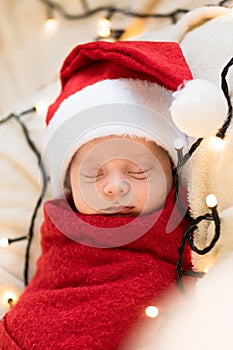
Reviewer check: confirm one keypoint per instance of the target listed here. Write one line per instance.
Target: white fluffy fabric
(20, 188)
(207, 47)
(108, 91)
(199, 108)
(203, 321)
(206, 38)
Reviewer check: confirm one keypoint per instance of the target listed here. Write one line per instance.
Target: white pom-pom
(199, 109)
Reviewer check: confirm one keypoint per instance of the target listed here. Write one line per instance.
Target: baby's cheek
(86, 201)
(97, 190)
(142, 191)
(157, 193)
(90, 193)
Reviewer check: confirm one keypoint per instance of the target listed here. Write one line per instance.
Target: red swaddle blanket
(88, 298)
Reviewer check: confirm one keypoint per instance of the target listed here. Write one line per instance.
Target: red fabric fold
(89, 298)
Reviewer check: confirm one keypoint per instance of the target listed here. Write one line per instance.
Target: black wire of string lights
(126, 12)
(88, 12)
(116, 34)
(29, 236)
(213, 216)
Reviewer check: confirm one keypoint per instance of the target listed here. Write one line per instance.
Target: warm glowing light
(178, 144)
(4, 242)
(216, 143)
(152, 311)
(211, 201)
(50, 24)
(9, 298)
(206, 269)
(41, 107)
(104, 28)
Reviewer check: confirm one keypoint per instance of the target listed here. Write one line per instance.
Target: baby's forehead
(117, 147)
(97, 153)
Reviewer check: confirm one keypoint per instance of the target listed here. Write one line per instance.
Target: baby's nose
(117, 186)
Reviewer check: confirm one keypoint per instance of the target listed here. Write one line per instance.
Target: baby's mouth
(118, 209)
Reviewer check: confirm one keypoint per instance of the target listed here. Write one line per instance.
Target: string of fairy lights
(105, 31)
(4, 241)
(211, 200)
(104, 25)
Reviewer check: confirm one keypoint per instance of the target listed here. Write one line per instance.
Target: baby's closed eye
(92, 174)
(138, 172)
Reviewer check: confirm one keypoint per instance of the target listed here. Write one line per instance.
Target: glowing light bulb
(104, 28)
(41, 107)
(4, 242)
(206, 269)
(211, 201)
(216, 143)
(9, 298)
(152, 311)
(178, 144)
(50, 24)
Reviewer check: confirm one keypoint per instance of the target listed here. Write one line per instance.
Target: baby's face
(120, 175)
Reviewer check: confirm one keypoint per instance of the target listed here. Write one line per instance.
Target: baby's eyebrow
(142, 158)
(88, 159)
(137, 158)
(90, 163)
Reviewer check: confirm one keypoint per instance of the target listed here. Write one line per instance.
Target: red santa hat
(121, 88)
